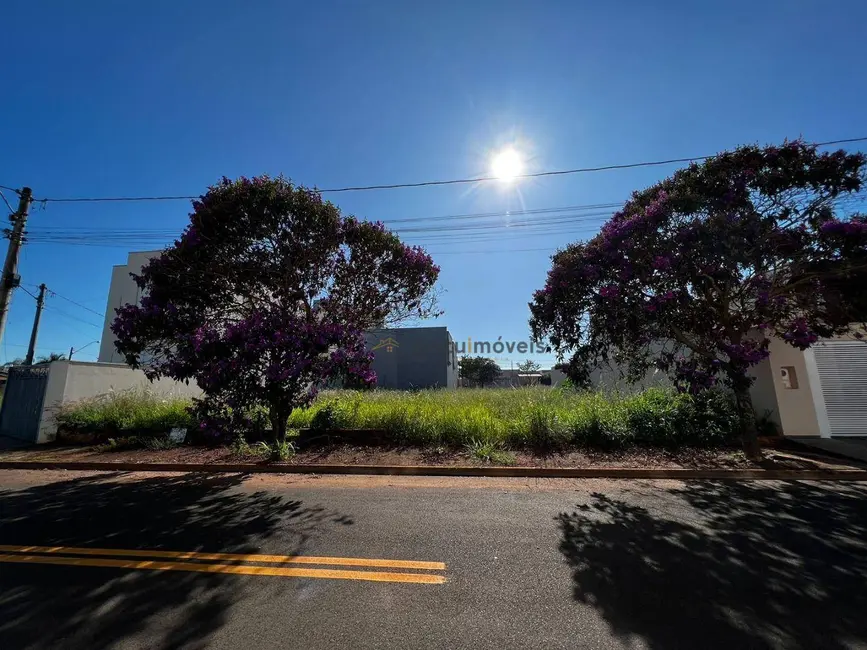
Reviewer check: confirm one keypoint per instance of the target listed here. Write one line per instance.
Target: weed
(274, 451)
(240, 447)
(490, 452)
(157, 443)
(120, 444)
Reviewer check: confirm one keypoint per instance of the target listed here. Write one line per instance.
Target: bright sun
(507, 164)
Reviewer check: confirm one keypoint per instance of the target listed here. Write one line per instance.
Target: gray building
(413, 357)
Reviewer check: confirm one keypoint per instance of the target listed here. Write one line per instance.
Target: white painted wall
(122, 291)
(71, 381)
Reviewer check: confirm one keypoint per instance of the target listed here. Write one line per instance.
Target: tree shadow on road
(720, 565)
(76, 607)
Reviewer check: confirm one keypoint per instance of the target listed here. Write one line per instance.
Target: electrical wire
(8, 205)
(78, 304)
(27, 292)
(67, 315)
(454, 181)
(426, 231)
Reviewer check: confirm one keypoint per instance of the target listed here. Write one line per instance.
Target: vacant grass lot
(522, 417)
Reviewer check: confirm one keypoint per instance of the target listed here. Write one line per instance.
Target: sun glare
(507, 164)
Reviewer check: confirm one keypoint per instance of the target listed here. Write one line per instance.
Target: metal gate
(22, 402)
(842, 369)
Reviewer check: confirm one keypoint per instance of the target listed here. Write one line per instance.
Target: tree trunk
(278, 423)
(747, 416)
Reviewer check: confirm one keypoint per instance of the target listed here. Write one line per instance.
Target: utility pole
(73, 351)
(40, 301)
(10, 279)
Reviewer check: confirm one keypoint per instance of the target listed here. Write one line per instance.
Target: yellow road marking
(242, 557)
(289, 572)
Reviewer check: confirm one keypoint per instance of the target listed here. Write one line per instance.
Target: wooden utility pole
(10, 279)
(40, 301)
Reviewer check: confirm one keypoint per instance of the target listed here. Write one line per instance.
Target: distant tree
(696, 274)
(263, 299)
(528, 366)
(54, 356)
(480, 371)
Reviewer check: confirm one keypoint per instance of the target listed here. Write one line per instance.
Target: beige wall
(70, 381)
(796, 406)
(122, 291)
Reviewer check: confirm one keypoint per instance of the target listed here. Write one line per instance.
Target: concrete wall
(412, 357)
(122, 291)
(71, 381)
(609, 377)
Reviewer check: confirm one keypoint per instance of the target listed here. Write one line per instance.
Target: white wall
(71, 381)
(122, 291)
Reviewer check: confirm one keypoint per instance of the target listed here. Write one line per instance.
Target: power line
(67, 315)
(454, 181)
(27, 292)
(78, 304)
(8, 205)
(133, 236)
(63, 313)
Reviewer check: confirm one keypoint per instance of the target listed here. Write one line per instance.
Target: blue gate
(22, 402)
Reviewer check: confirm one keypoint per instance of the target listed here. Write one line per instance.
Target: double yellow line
(168, 561)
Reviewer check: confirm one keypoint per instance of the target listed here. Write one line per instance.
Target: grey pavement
(854, 448)
(548, 564)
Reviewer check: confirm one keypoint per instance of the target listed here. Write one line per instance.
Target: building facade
(413, 357)
(820, 391)
(122, 291)
(404, 358)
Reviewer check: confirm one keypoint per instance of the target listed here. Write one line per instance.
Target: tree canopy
(695, 274)
(263, 298)
(481, 371)
(528, 366)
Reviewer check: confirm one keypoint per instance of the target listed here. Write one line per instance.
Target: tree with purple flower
(696, 274)
(263, 299)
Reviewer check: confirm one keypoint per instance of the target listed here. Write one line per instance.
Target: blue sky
(111, 98)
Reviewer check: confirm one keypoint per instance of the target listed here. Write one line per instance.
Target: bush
(662, 418)
(138, 411)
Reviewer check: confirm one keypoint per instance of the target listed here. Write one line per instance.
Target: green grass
(132, 411)
(532, 417)
(528, 417)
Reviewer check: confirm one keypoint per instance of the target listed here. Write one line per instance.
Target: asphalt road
(554, 564)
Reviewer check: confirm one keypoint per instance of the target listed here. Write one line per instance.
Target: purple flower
(662, 262)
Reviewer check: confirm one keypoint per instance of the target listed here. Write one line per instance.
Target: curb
(421, 470)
